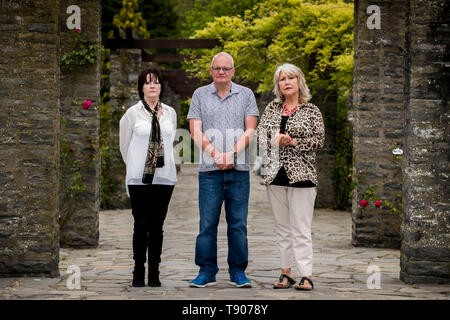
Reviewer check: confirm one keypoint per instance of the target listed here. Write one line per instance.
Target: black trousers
(149, 205)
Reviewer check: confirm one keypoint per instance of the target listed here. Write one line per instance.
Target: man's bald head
(225, 55)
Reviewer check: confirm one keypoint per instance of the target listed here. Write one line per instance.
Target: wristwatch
(234, 154)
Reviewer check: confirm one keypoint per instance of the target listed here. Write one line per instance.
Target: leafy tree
(161, 18)
(129, 17)
(204, 11)
(159, 15)
(109, 9)
(317, 37)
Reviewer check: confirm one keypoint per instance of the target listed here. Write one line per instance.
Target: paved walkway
(340, 270)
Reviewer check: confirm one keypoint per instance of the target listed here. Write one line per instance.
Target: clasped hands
(223, 161)
(283, 139)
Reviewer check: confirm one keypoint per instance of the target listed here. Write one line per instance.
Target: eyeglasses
(224, 69)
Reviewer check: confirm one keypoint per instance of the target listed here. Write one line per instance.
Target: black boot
(153, 277)
(139, 276)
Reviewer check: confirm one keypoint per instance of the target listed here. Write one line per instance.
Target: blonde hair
(290, 69)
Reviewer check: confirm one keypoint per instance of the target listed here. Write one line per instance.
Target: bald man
(222, 120)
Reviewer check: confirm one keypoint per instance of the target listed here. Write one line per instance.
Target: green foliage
(108, 185)
(72, 180)
(317, 37)
(129, 17)
(162, 21)
(342, 171)
(109, 9)
(159, 15)
(202, 12)
(83, 53)
(184, 109)
(395, 205)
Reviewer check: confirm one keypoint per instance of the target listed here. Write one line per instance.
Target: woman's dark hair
(155, 71)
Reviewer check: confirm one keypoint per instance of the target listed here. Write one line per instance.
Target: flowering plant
(371, 196)
(86, 104)
(82, 54)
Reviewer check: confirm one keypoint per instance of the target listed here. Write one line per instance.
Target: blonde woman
(290, 133)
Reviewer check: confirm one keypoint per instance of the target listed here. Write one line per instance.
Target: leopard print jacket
(306, 126)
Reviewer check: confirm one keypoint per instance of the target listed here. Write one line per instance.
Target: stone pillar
(379, 79)
(124, 71)
(29, 129)
(425, 251)
(80, 161)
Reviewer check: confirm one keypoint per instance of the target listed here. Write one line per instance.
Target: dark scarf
(155, 152)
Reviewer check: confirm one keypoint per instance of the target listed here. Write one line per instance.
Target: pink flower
(363, 203)
(79, 30)
(378, 203)
(86, 104)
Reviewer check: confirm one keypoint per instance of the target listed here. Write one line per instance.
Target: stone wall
(29, 128)
(401, 83)
(40, 117)
(80, 131)
(425, 251)
(379, 79)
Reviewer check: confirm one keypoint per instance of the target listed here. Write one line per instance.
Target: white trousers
(293, 210)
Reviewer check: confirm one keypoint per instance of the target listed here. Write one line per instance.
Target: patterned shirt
(306, 126)
(223, 120)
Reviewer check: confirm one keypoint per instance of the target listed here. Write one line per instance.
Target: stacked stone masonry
(425, 251)
(401, 97)
(379, 79)
(80, 131)
(29, 128)
(39, 107)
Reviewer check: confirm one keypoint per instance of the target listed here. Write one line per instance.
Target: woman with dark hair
(147, 132)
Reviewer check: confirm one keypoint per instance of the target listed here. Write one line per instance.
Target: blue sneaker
(202, 280)
(240, 280)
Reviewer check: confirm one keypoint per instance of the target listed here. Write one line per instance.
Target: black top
(282, 179)
(284, 120)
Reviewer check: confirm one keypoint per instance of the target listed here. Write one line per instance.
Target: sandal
(281, 285)
(302, 282)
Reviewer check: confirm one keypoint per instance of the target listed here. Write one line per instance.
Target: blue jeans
(215, 187)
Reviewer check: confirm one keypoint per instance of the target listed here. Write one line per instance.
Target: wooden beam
(160, 43)
(164, 57)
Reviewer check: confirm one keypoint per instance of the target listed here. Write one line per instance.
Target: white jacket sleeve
(174, 120)
(126, 131)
